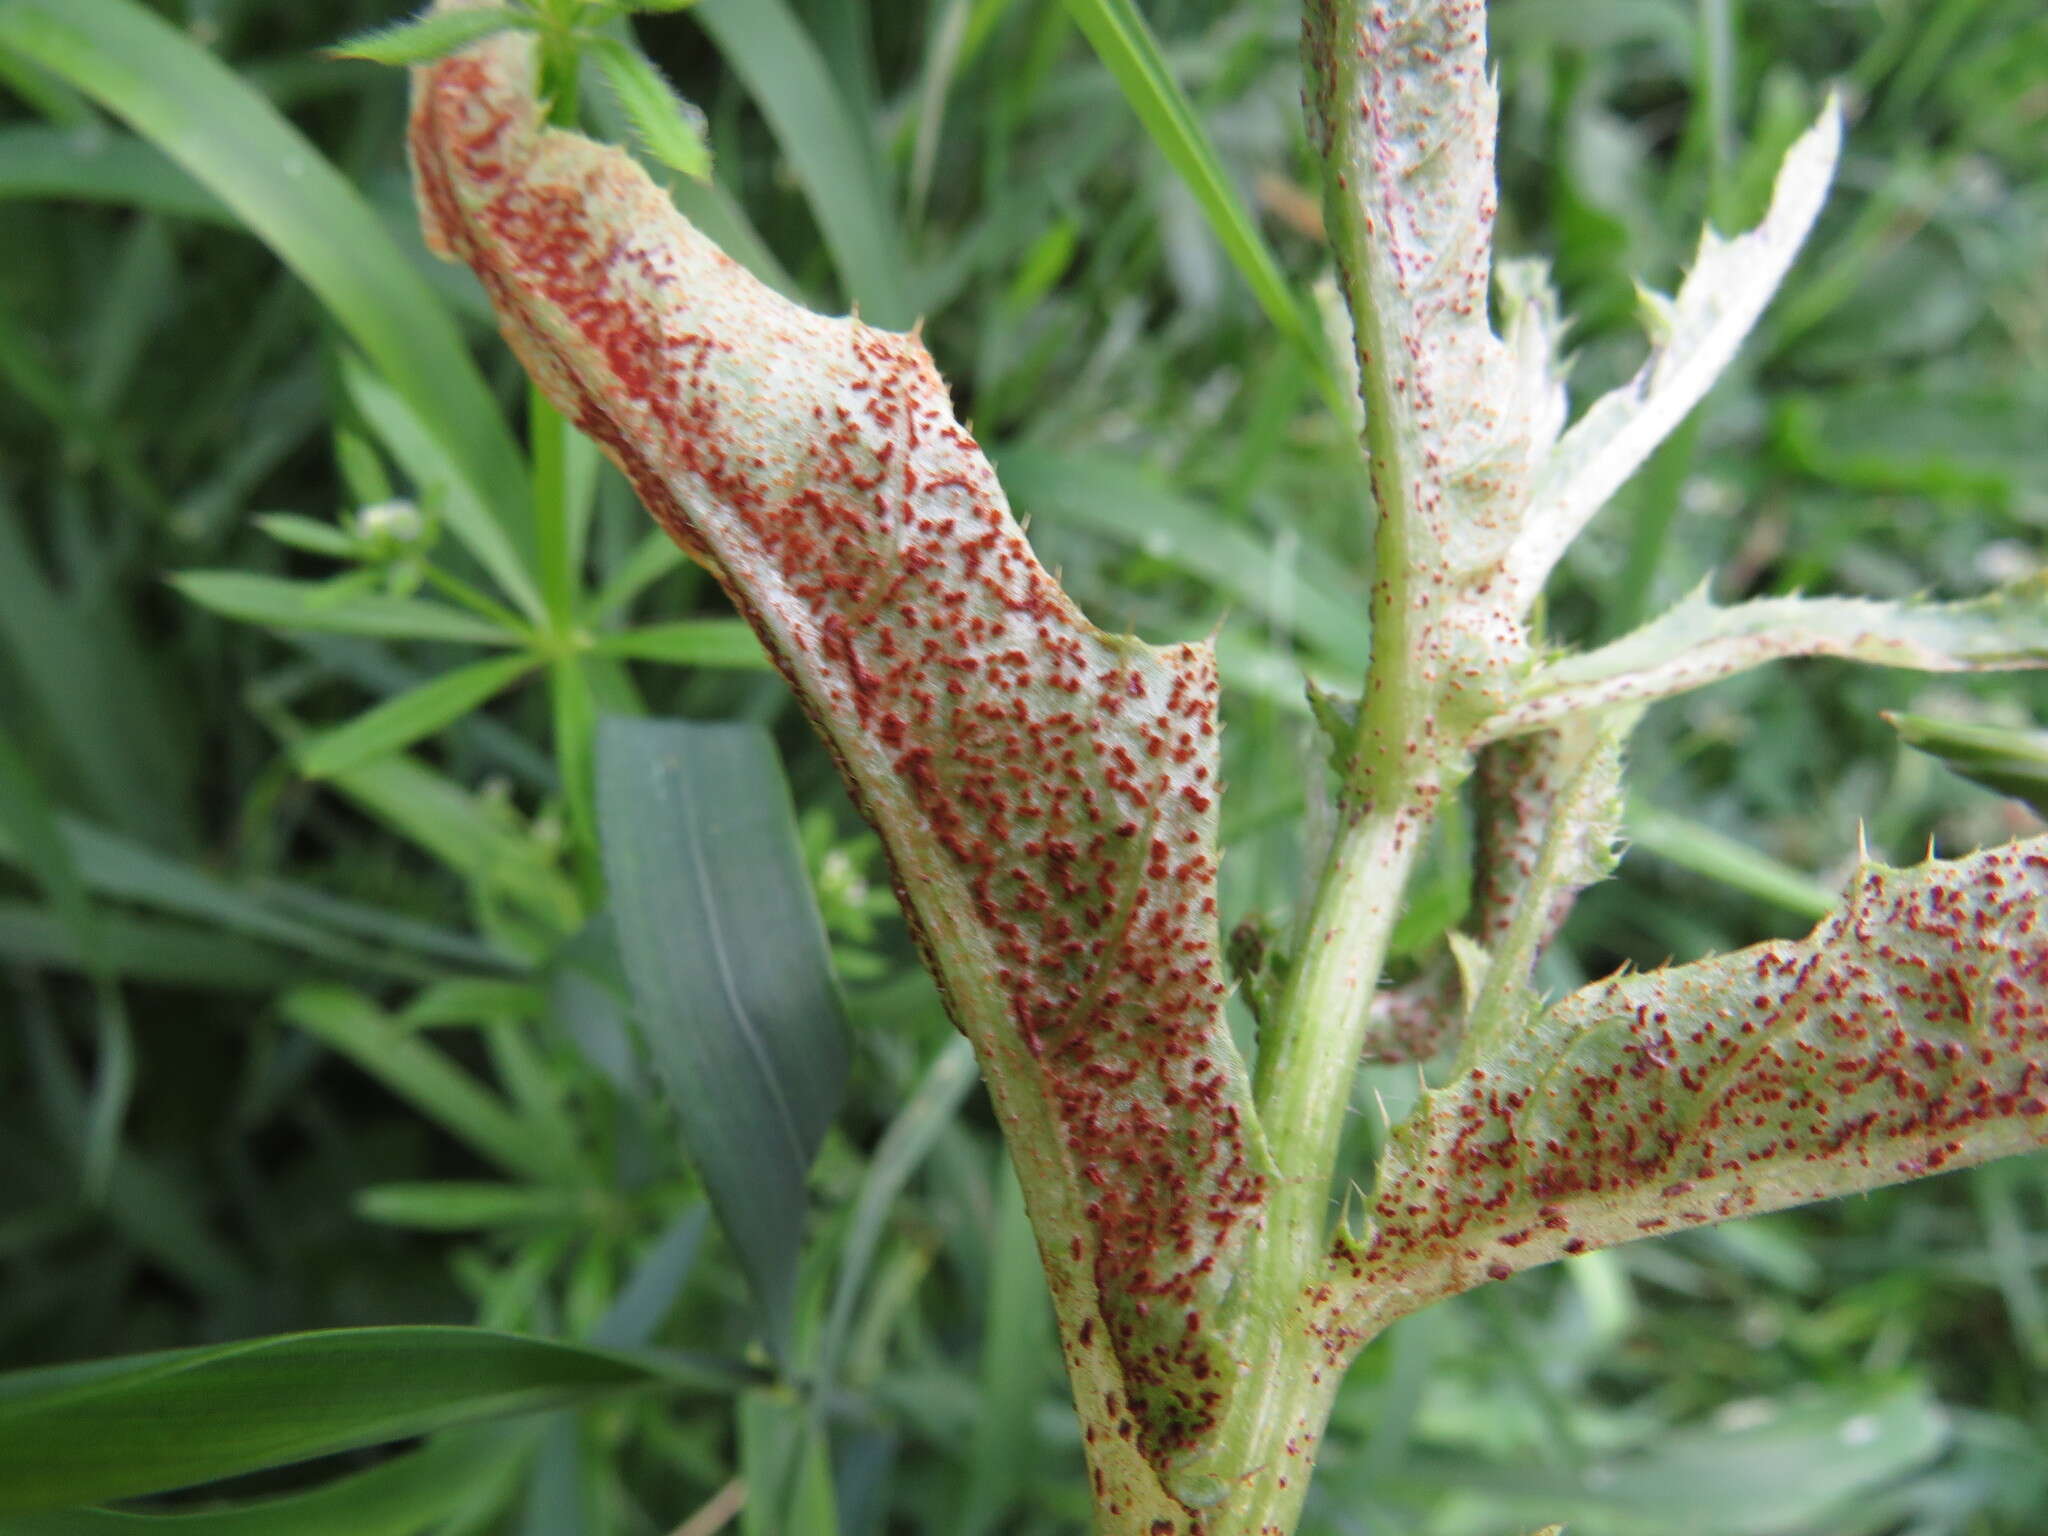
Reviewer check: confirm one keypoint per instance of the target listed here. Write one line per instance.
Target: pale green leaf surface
(1402, 105)
(1696, 642)
(1908, 1033)
(1696, 335)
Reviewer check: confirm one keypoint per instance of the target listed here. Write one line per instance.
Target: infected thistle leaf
(1906, 1034)
(1693, 336)
(1698, 642)
(1046, 791)
(1401, 104)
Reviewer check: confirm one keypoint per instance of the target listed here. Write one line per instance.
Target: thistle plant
(1047, 792)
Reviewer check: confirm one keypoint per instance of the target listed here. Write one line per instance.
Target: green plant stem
(1308, 1061)
(548, 436)
(1309, 1058)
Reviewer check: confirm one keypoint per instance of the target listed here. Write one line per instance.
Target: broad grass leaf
(405, 1496)
(731, 978)
(111, 1429)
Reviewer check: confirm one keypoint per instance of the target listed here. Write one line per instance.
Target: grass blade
(419, 712)
(403, 1497)
(99, 166)
(276, 602)
(785, 74)
(688, 643)
(233, 142)
(110, 1429)
(422, 1074)
(1118, 32)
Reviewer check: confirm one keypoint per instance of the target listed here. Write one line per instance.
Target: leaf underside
(1698, 642)
(1046, 791)
(1906, 1034)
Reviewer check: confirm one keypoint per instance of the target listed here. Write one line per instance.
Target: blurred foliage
(284, 1053)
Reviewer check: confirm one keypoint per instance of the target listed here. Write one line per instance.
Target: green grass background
(194, 1147)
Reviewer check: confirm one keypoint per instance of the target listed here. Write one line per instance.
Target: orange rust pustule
(1052, 786)
(1905, 1035)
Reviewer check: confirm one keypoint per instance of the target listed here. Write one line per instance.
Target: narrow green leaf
(472, 1000)
(1017, 1344)
(785, 1465)
(670, 128)
(276, 602)
(1123, 40)
(730, 973)
(142, 949)
(825, 142)
(192, 106)
(28, 816)
(574, 708)
(1906, 1034)
(418, 712)
(687, 643)
(74, 659)
(116, 866)
(309, 534)
(2012, 762)
(403, 1497)
(524, 901)
(429, 37)
(654, 557)
(637, 1311)
(421, 1073)
(452, 1206)
(460, 500)
(901, 1151)
(1697, 847)
(112, 1429)
(29, 822)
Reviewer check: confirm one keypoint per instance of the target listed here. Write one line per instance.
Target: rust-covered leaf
(1905, 1035)
(1046, 791)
